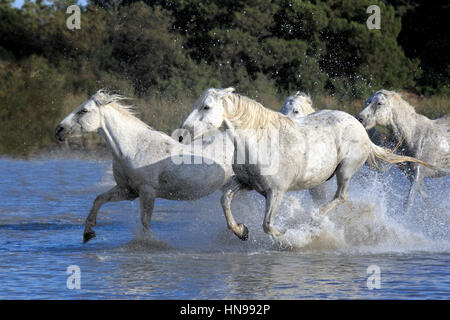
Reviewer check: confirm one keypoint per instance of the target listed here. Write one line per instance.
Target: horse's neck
(121, 133)
(249, 144)
(307, 109)
(405, 124)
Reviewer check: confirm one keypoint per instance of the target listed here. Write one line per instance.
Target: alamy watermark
(247, 146)
(374, 280)
(374, 20)
(74, 20)
(74, 278)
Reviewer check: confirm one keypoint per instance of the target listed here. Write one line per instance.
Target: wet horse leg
(147, 201)
(416, 185)
(340, 196)
(344, 172)
(273, 201)
(115, 194)
(230, 190)
(318, 194)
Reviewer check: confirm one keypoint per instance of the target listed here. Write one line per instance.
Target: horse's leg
(318, 194)
(416, 185)
(147, 200)
(344, 172)
(423, 189)
(115, 194)
(228, 193)
(273, 201)
(340, 196)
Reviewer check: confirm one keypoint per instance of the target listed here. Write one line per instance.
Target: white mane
(398, 102)
(249, 114)
(103, 98)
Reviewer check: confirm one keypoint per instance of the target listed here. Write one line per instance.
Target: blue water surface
(190, 253)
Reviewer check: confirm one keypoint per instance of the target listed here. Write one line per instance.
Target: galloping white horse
(422, 138)
(146, 163)
(308, 151)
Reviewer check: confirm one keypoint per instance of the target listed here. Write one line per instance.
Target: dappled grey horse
(423, 138)
(303, 154)
(146, 163)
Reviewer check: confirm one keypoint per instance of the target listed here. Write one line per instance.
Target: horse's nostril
(58, 130)
(360, 119)
(180, 139)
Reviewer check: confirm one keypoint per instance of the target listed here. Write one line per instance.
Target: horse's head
(84, 118)
(207, 114)
(297, 106)
(377, 110)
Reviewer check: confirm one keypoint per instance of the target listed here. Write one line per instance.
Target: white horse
(422, 138)
(300, 104)
(296, 107)
(307, 152)
(146, 163)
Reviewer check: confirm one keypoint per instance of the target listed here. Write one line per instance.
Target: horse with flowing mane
(420, 137)
(146, 163)
(307, 152)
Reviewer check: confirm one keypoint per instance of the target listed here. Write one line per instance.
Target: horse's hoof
(88, 236)
(244, 235)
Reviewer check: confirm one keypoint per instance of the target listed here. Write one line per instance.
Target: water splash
(372, 221)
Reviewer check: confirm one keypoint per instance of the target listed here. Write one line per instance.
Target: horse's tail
(387, 155)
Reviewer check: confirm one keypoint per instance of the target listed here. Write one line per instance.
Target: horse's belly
(190, 181)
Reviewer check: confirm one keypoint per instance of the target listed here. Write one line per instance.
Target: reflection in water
(190, 254)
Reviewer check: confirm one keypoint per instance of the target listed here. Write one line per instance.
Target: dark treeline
(176, 49)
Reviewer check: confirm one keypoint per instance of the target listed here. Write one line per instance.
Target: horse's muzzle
(182, 135)
(361, 119)
(59, 133)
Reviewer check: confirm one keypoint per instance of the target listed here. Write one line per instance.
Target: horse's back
(329, 137)
(443, 121)
(338, 123)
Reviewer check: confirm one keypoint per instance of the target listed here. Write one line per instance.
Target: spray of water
(372, 221)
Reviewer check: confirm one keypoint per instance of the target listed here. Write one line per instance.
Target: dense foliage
(178, 48)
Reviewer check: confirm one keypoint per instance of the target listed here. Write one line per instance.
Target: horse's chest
(250, 175)
(124, 180)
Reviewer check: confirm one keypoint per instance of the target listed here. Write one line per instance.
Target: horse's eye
(206, 108)
(82, 111)
(295, 111)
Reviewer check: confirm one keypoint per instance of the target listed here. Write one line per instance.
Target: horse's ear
(225, 92)
(209, 101)
(101, 97)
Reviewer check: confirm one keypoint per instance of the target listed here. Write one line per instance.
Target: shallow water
(190, 254)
